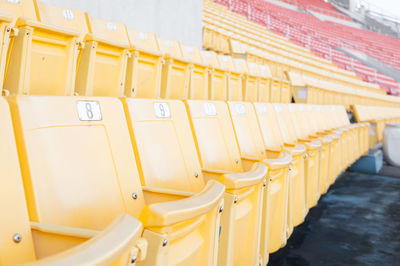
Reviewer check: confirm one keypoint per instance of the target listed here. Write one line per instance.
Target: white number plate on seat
(209, 109)
(162, 110)
(89, 111)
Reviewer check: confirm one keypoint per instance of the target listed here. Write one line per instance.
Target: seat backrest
(300, 124)
(285, 123)
(62, 17)
(162, 136)
(226, 62)
(108, 30)
(269, 126)
(111, 58)
(248, 134)
(214, 134)
(18, 8)
(240, 65)
(211, 58)
(14, 219)
(143, 40)
(265, 70)
(77, 160)
(192, 53)
(171, 47)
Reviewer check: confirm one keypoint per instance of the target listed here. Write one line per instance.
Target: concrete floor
(356, 223)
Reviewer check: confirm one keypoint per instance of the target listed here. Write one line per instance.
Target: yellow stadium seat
(371, 115)
(103, 60)
(208, 35)
(249, 80)
(328, 141)
(275, 90)
(175, 72)
(143, 74)
(297, 186)
(27, 241)
(313, 146)
(79, 170)
(220, 157)
(42, 56)
(264, 81)
(286, 91)
(252, 149)
(327, 114)
(198, 76)
(274, 147)
(217, 77)
(235, 84)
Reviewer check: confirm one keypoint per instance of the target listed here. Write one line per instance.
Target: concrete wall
(174, 19)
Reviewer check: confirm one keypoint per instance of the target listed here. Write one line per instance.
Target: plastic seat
(217, 77)
(198, 77)
(249, 80)
(305, 135)
(235, 84)
(42, 56)
(274, 146)
(298, 181)
(264, 81)
(103, 60)
(79, 170)
(143, 74)
(328, 157)
(44, 242)
(220, 157)
(176, 71)
(252, 149)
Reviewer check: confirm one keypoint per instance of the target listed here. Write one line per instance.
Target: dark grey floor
(356, 223)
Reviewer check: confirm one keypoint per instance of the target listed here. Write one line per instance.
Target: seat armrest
(296, 150)
(97, 38)
(46, 27)
(106, 247)
(279, 163)
(311, 144)
(249, 178)
(250, 158)
(170, 213)
(156, 195)
(168, 191)
(214, 171)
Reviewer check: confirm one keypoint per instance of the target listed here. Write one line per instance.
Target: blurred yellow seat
(217, 77)
(198, 76)
(175, 72)
(252, 149)
(235, 84)
(143, 74)
(103, 60)
(220, 159)
(42, 56)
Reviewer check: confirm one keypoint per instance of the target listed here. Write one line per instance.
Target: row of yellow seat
(378, 117)
(226, 32)
(47, 46)
(271, 161)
